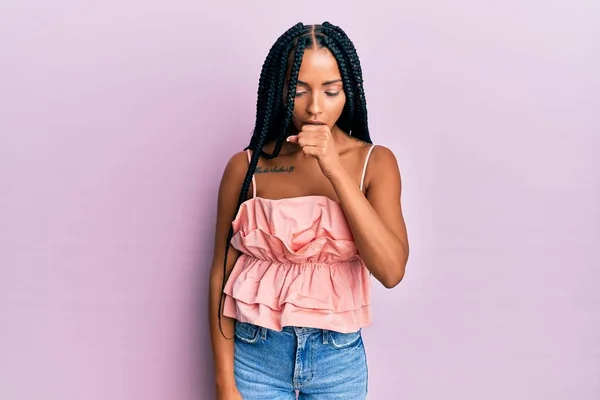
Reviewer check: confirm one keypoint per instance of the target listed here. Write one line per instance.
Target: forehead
(318, 65)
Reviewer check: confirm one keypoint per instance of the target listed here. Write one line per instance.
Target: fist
(316, 141)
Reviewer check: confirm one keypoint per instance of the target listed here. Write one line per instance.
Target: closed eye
(330, 94)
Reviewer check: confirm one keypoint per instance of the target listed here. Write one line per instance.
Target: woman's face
(320, 97)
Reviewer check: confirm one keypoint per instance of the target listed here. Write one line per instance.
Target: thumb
(292, 139)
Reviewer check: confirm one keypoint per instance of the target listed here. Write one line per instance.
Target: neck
(339, 136)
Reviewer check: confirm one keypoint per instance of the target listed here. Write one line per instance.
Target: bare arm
(376, 220)
(222, 347)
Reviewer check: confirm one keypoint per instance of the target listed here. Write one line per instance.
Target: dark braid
(274, 116)
(340, 36)
(261, 139)
(347, 118)
(291, 92)
(267, 75)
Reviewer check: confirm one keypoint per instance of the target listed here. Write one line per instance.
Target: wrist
(338, 176)
(225, 381)
(223, 389)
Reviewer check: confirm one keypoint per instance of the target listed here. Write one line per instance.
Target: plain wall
(117, 119)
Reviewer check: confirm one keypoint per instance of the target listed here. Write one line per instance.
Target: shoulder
(235, 171)
(382, 165)
(379, 155)
(237, 164)
(382, 156)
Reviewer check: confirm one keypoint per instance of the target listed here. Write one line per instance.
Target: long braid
(345, 122)
(340, 36)
(271, 125)
(267, 76)
(293, 81)
(261, 139)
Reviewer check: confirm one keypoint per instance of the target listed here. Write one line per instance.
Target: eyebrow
(324, 83)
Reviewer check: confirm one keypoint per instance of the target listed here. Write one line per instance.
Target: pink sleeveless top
(299, 265)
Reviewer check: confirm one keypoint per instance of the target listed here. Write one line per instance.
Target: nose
(314, 106)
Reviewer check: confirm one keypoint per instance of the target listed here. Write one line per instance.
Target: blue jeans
(319, 364)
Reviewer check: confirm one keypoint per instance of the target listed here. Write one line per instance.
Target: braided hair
(273, 115)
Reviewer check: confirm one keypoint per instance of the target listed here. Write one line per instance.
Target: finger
(310, 127)
(316, 135)
(306, 141)
(299, 140)
(311, 151)
(315, 128)
(312, 141)
(310, 134)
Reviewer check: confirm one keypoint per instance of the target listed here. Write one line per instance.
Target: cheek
(299, 112)
(300, 104)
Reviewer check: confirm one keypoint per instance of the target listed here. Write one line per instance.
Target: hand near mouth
(316, 141)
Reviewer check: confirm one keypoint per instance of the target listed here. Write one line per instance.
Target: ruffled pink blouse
(299, 266)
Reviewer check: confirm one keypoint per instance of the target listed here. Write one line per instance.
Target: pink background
(117, 118)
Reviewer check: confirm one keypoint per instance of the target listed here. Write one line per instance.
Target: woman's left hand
(316, 141)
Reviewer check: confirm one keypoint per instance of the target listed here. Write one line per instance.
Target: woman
(306, 214)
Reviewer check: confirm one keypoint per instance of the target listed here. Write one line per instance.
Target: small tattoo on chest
(261, 170)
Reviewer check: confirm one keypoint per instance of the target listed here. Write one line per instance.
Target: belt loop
(325, 336)
(263, 332)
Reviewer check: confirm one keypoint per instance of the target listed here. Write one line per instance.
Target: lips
(314, 123)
